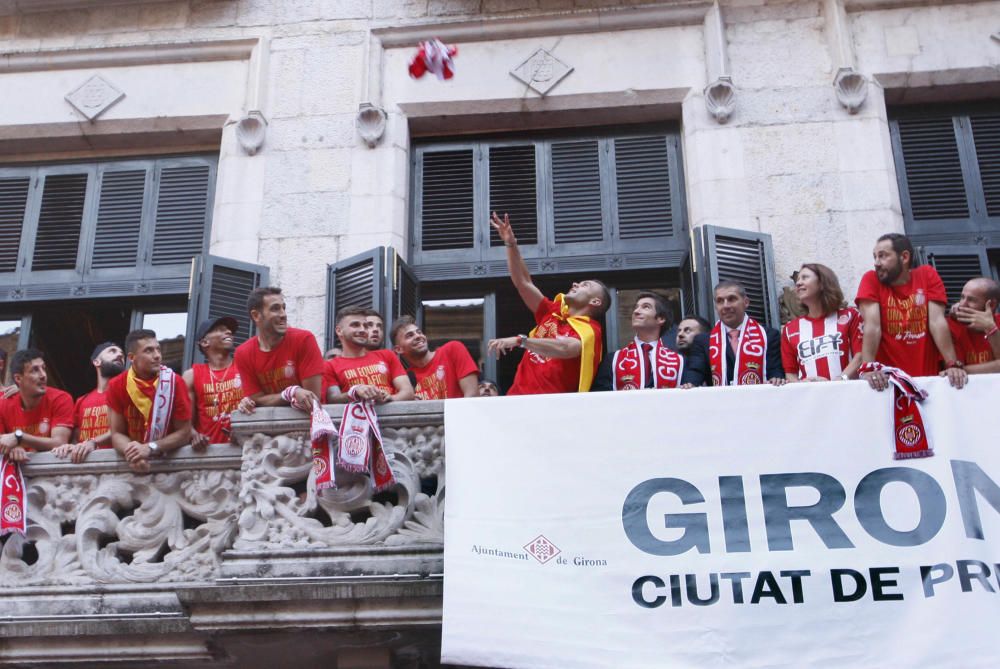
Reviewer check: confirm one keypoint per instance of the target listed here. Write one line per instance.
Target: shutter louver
(956, 267)
(407, 297)
(576, 192)
(933, 168)
(513, 191)
(447, 217)
(355, 285)
(986, 136)
(743, 260)
(181, 214)
(13, 200)
(227, 296)
(642, 165)
(58, 238)
(119, 216)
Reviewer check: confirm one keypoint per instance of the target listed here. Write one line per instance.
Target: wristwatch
(955, 364)
(154, 448)
(521, 339)
(19, 435)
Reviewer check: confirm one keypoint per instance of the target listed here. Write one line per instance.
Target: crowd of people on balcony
(144, 409)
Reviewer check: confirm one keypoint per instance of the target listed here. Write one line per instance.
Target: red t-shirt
(438, 379)
(537, 374)
(297, 357)
(971, 346)
(90, 416)
(906, 339)
(821, 347)
(55, 409)
(374, 368)
(217, 393)
(120, 402)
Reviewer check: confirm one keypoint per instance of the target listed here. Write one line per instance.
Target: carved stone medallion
(541, 71)
(94, 97)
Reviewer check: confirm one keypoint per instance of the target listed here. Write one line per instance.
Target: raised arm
(519, 273)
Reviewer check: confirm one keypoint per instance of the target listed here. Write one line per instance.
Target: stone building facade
(160, 157)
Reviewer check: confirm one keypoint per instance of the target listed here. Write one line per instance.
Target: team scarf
(751, 359)
(590, 354)
(154, 400)
(627, 363)
(908, 423)
(13, 505)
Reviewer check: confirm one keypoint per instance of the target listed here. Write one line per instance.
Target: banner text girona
(968, 479)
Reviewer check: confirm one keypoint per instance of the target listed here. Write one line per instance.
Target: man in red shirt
(90, 414)
(359, 374)
(37, 417)
(446, 373)
(903, 308)
(150, 410)
(563, 351)
(278, 357)
(376, 330)
(975, 327)
(214, 387)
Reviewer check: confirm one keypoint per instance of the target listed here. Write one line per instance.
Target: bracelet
(510, 245)
(996, 329)
(521, 340)
(955, 364)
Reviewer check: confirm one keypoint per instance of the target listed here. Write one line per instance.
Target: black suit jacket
(696, 370)
(772, 356)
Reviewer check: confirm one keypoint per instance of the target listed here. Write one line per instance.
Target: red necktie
(646, 348)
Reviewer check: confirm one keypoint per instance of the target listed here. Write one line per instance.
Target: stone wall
(790, 161)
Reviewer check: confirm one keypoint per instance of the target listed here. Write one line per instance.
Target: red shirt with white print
(54, 409)
(821, 347)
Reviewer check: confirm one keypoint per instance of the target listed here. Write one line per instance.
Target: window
(103, 229)
(588, 202)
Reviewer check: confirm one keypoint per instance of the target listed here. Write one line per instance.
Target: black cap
(100, 349)
(209, 324)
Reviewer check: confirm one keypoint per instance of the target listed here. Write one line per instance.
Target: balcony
(230, 556)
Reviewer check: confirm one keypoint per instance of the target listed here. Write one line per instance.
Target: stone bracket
(720, 93)
(850, 86)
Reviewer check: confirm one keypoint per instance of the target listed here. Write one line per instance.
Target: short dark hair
(900, 243)
(350, 310)
(22, 358)
(255, 301)
(662, 307)
(605, 298)
(729, 283)
(376, 313)
(135, 336)
(401, 322)
(705, 325)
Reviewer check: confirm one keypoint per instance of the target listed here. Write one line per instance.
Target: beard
(890, 275)
(110, 370)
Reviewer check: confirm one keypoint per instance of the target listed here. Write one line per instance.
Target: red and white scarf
(751, 354)
(908, 423)
(360, 445)
(13, 505)
(630, 369)
(163, 405)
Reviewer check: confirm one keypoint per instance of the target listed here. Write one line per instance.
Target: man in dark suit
(741, 350)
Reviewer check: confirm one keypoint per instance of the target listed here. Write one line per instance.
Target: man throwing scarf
(742, 352)
(563, 351)
(150, 410)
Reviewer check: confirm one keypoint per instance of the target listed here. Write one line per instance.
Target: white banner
(742, 527)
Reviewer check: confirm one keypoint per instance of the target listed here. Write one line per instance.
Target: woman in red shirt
(825, 344)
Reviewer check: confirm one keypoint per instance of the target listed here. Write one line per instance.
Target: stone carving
(121, 528)
(541, 71)
(279, 513)
(250, 131)
(851, 88)
(720, 98)
(94, 97)
(370, 123)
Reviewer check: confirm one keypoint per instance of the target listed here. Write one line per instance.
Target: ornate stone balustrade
(180, 564)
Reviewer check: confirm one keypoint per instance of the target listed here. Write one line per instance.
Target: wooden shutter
(119, 218)
(402, 290)
(360, 281)
(513, 189)
(932, 167)
(182, 213)
(221, 288)
(986, 137)
(748, 258)
(446, 212)
(577, 210)
(13, 201)
(642, 178)
(956, 265)
(57, 237)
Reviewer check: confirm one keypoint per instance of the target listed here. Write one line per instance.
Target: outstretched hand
(503, 228)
